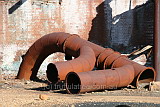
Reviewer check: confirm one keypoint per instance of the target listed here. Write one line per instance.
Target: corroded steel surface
(84, 62)
(102, 56)
(110, 59)
(148, 72)
(99, 80)
(71, 45)
(36, 54)
(48, 44)
(74, 43)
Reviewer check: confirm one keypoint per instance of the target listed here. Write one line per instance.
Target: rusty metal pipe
(110, 59)
(102, 56)
(48, 44)
(157, 40)
(59, 70)
(142, 74)
(73, 43)
(69, 44)
(36, 54)
(99, 80)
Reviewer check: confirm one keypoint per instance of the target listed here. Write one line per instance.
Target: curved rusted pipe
(48, 44)
(72, 44)
(142, 74)
(99, 80)
(102, 56)
(110, 59)
(36, 54)
(59, 70)
(69, 44)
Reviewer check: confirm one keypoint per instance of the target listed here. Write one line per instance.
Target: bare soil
(21, 93)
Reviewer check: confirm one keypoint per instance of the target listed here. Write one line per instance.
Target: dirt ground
(20, 93)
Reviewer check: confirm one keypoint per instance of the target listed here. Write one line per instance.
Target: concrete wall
(119, 24)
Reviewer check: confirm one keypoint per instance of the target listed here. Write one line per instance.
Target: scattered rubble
(154, 86)
(27, 95)
(43, 97)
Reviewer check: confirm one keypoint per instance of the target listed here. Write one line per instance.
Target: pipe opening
(146, 77)
(73, 83)
(68, 57)
(52, 73)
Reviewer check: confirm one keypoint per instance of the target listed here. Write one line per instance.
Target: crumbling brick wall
(111, 23)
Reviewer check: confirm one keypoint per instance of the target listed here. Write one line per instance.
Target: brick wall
(118, 24)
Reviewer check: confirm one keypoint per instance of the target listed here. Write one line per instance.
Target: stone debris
(43, 97)
(27, 82)
(154, 86)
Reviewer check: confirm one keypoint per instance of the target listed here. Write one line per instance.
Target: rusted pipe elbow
(70, 45)
(59, 70)
(142, 74)
(48, 44)
(99, 80)
(102, 56)
(36, 54)
(74, 43)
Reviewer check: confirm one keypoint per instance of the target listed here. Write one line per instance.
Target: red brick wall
(119, 24)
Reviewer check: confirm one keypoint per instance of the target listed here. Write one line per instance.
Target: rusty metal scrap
(99, 80)
(48, 44)
(141, 73)
(85, 62)
(87, 56)
(101, 57)
(36, 54)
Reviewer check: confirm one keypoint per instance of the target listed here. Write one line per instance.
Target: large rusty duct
(142, 74)
(59, 70)
(71, 45)
(48, 44)
(99, 80)
(36, 54)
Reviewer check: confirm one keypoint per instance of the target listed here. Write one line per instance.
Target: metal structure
(141, 73)
(99, 80)
(84, 62)
(87, 55)
(157, 40)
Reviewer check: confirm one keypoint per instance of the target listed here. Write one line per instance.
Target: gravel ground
(20, 93)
